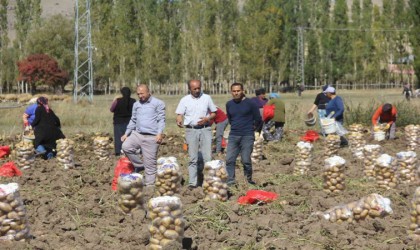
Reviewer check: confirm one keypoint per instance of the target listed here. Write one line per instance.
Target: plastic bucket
(28, 138)
(379, 135)
(328, 125)
(310, 121)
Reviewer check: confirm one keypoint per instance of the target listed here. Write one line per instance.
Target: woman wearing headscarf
(277, 121)
(122, 108)
(46, 128)
(335, 109)
(320, 103)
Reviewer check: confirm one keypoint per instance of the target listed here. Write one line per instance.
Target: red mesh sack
(310, 136)
(4, 151)
(124, 166)
(9, 169)
(254, 196)
(268, 112)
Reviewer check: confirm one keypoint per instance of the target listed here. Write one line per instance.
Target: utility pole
(83, 71)
(300, 58)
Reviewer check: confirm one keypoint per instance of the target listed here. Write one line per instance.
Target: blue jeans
(199, 141)
(220, 129)
(243, 145)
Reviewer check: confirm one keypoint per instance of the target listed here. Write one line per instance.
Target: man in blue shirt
(244, 118)
(195, 112)
(145, 132)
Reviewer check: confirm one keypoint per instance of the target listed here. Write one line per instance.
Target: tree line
(220, 42)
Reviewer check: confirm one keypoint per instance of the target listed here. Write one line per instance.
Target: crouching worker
(386, 115)
(277, 121)
(46, 129)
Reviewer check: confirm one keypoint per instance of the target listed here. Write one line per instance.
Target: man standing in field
(145, 132)
(195, 112)
(244, 118)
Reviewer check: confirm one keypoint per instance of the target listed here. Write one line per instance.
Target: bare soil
(76, 208)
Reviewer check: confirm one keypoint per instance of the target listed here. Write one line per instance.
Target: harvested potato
(356, 143)
(130, 191)
(303, 158)
(101, 147)
(414, 228)
(65, 153)
(24, 155)
(167, 221)
(371, 153)
(331, 144)
(168, 177)
(13, 219)
(257, 152)
(412, 137)
(406, 166)
(385, 170)
(215, 178)
(334, 175)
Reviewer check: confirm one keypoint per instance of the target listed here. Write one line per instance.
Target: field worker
(336, 105)
(122, 108)
(221, 123)
(386, 113)
(29, 114)
(244, 118)
(260, 99)
(145, 132)
(277, 121)
(320, 103)
(407, 91)
(47, 129)
(195, 113)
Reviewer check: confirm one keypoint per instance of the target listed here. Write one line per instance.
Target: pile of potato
(334, 174)
(414, 228)
(385, 172)
(65, 153)
(168, 224)
(356, 143)
(24, 155)
(168, 177)
(332, 144)
(303, 158)
(13, 220)
(101, 147)
(371, 153)
(130, 192)
(412, 137)
(215, 178)
(372, 206)
(257, 152)
(406, 166)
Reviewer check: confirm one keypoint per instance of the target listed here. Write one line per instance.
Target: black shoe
(192, 187)
(251, 182)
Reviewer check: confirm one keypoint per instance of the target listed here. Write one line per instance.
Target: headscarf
(125, 99)
(273, 96)
(325, 87)
(44, 102)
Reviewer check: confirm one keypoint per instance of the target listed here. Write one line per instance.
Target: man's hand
(203, 121)
(159, 138)
(179, 121)
(387, 126)
(123, 138)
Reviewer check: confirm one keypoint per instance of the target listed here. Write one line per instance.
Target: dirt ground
(76, 208)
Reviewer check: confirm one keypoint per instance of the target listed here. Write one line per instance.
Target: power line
(353, 29)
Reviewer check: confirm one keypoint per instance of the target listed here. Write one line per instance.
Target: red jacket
(220, 116)
(384, 117)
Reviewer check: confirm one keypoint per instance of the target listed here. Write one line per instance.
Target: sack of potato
(412, 137)
(406, 166)
(257, 152)
(101, 147)
(339, 213)
(303, 158)
(24, 155)
(13, 220)
(371, 153)
(356, 128)
(414, 228)
(168, 177)
(372, 206)
(333, 174)
(215, 178)
(385, 172)
(356, 143)
(167, 226)
(65, 153)
(332, 144)
(130, 192)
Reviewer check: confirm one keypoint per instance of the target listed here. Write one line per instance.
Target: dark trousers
(119, 130)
